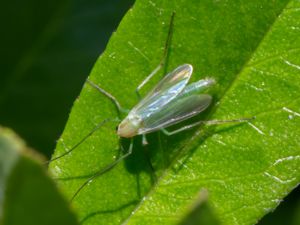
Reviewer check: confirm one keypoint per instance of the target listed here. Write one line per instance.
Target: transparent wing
(176, 111)
(164, 92)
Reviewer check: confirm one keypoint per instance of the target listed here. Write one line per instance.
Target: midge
(171, 101)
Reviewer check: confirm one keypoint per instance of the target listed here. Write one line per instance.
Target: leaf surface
(251, 49)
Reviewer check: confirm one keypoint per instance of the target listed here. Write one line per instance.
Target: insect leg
(163, 59)
(82, 140)
(105, 169)
(151, 167)
(207, 122)
(108, 95)
(144, 140)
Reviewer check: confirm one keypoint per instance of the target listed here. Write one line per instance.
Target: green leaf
(251, 49)
(27, 195)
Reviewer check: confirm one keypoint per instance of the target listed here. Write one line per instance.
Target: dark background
(47, 50)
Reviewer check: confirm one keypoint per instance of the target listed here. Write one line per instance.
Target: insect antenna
(105, 169)
(119, 110)
(81, 141)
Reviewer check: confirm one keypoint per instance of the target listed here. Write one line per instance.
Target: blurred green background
(47, 50)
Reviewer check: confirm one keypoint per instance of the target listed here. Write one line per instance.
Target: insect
(170, 102)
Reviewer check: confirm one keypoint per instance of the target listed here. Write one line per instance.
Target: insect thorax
(130, 125)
